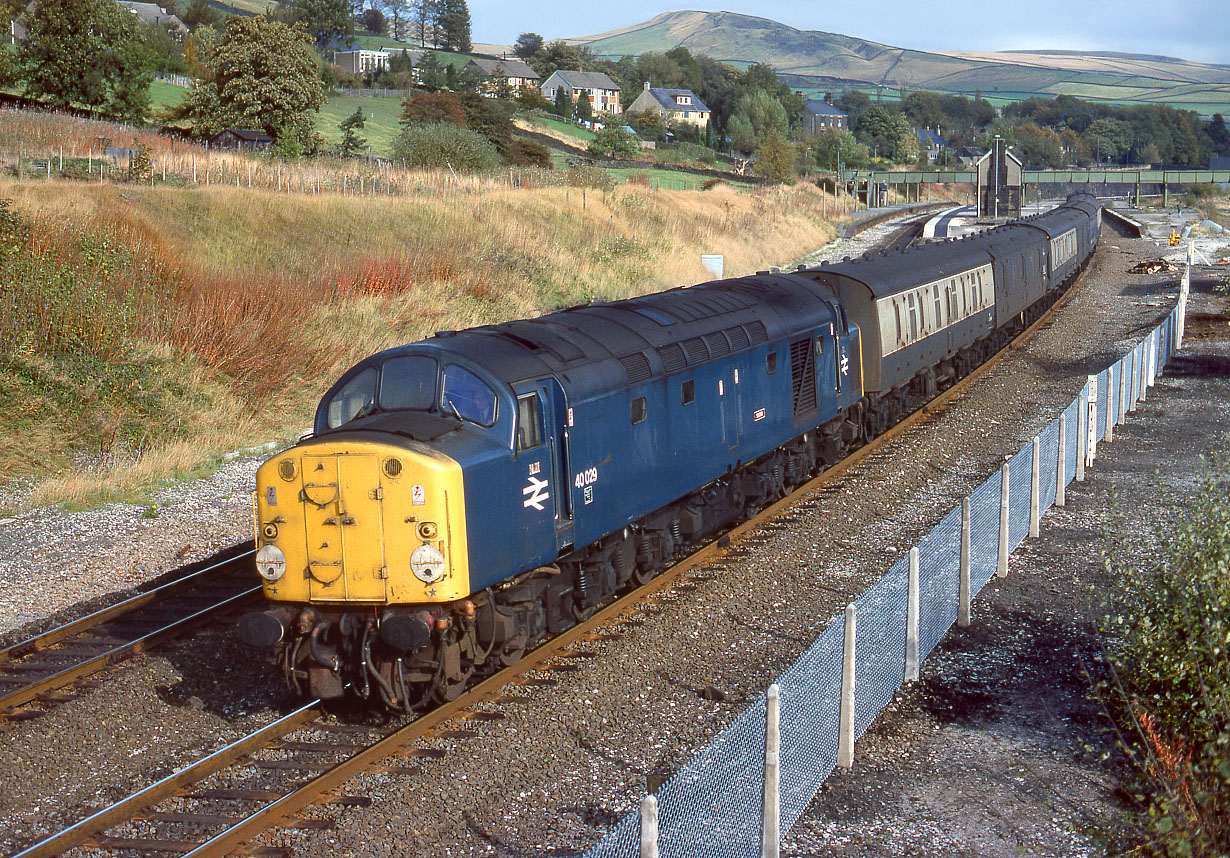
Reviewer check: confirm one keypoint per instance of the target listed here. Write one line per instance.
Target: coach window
(639, 410)
(687, 393)
(939, 308)
(529, 422)
(897, 317)
(912, 305)
(770, 363)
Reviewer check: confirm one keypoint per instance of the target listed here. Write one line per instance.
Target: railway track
(52, 667)
(269, 778)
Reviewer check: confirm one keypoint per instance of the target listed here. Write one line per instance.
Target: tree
(454, 23)
(352, 144)
(373, 21)
(490, 117)
(757, 113)
(563, 102)
(431, 73)
(424, 17)
(585, 110)
(559, 55)
(834, 146)
(260, 74)
(328, 21)
(612, 141)
(527, 45)
(426, 107)
(85, 53)
(776, 159)
(201, 14)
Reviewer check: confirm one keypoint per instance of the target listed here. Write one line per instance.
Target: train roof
(894, 271)
(593, 346)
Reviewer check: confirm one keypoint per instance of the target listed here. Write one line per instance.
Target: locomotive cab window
(409, 382)
(356, 399)
(687, 393)
(640, 410)
(529, 422)
(467, 397)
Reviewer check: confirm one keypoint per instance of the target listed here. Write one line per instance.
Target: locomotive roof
(643, 337)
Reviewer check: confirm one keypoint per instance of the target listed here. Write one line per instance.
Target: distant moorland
(818, 62)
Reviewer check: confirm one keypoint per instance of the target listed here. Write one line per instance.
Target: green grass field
(164, 95)
(558, 125)
(380, 114)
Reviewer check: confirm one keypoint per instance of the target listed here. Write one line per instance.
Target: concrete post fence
(807, 724)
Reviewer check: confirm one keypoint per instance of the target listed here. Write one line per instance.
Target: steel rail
(125, 809)
(53, 636)
(100, 662)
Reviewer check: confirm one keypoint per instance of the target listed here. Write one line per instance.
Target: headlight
(427, 564)
(270, 562)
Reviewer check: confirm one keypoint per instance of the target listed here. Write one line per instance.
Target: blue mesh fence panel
(712, 807)
(880, 649)
(1072, 443)
(1048, 465)
(1020, 467)
(1103, 388)
(984, 533)
(939, 574)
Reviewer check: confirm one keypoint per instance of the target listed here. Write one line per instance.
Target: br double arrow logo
(536, 494)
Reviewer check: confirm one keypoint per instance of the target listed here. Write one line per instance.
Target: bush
(526, 153)
(613, 142)
(1173, 680)
(442, 144)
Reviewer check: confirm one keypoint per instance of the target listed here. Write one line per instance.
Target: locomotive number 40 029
(586, 478)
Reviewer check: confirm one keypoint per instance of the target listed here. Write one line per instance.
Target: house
(600, 91)
(361, 62)
(821, 115)
(242, 139)
(678, 105)
(970, 155)
(152, 13)
(504, 76)
(931, 143)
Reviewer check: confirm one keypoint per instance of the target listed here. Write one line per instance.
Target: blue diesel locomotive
(462, 497)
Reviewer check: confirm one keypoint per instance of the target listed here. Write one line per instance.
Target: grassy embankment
(148, 329)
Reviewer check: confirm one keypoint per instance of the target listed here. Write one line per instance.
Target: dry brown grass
(270, 296)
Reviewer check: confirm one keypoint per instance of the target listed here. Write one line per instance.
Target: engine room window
(687, 393)
(770, 363)
(529, 423)
(356, 399)
(408, 382)
(467, 396)
(639, 410)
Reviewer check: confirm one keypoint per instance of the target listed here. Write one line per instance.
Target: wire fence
(756, 779)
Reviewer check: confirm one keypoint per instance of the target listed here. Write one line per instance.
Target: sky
(1197, 30)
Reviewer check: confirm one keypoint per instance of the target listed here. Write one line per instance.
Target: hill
(816, 62)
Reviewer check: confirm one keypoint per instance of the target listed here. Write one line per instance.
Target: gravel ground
(568, 760)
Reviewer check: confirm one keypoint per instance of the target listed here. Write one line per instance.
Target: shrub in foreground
(442, 144)
(1172, 680)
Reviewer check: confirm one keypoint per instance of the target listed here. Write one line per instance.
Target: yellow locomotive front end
(361, 523)
(362, 549)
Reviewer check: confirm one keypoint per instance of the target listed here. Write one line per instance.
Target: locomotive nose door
(344, 525)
